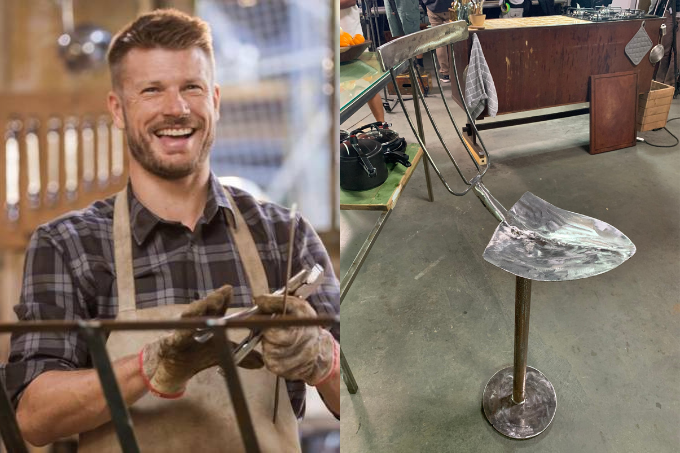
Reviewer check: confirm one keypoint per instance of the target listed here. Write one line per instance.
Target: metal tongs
(302, 285)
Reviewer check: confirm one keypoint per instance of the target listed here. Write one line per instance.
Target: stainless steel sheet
(542, 242)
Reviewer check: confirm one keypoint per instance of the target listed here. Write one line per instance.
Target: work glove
(168, 363)
(306, 353)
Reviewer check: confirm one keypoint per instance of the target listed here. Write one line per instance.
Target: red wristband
(147, 381)
(336, 364)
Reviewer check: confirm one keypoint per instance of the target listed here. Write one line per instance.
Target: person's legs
(442, 52)
(409, 15)
(377, 109)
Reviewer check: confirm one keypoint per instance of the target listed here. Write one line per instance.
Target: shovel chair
(534, 240)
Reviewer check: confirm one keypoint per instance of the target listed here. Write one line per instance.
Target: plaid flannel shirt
(70, 275)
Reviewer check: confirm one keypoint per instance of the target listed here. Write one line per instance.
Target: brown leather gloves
(304, 353)
(168, 363)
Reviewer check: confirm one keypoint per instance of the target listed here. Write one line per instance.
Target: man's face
(168, 105)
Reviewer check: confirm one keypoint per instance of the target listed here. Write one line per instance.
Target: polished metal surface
(407, 47)
(522, 312)
(542, 242)
(519, 421)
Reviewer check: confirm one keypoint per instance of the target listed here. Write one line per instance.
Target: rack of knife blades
(302, 284)
(58, 153)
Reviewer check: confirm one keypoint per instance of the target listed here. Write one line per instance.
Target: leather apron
(203, 419)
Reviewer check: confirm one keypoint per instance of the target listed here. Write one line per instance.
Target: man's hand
(297, 353)
(168, 363)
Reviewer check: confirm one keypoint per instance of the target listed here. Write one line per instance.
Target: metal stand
(519, 401)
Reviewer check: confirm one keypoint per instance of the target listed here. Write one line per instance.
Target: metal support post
(238, 399)
(522, 310)
(419, 122)
(519, 401)
(120, 417)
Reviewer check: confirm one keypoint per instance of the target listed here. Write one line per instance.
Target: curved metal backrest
(405, 49)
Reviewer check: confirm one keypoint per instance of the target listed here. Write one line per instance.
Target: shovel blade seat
(540, 241)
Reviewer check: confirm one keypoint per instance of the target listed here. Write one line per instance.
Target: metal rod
(353, 270)
(527, 120)
(238, 399)
(9, 428)
(289, 267)
(436, 129)
(433, 54)
(522, 306)
(418, 137)
(254, 322)
(120, 417)
(347, 375)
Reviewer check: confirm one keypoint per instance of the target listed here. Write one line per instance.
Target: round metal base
(525, 420)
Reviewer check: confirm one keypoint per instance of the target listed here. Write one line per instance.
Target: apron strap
(122, 245)
(122, 248)
(247, 250)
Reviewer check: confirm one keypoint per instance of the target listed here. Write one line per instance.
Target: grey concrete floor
(428, 321)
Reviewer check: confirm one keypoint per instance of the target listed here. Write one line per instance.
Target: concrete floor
(428, 321)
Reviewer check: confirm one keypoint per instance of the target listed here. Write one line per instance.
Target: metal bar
(527, 120)
(433, 122)
(238, 399)
(347, 375)
(419, 122)
(420, 142)
(522, 308)
(253, 322)
(353, 270)
(120, 417)
(433, 54)
(9, 428)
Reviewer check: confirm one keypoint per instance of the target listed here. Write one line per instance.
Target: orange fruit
(345, 41)
(358, 39)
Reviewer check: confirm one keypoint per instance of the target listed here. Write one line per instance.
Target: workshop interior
(520, 291)
(61, 151)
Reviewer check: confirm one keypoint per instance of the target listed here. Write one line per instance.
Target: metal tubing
(347, 375)
(433, 54)
(522, 308)
(353, 270)
(253, 322)
(419, 121)
(9, 428)
(434, 125)
(120, 417)
(420, 142)
(238, 399)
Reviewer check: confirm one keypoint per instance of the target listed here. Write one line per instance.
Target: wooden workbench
(539, 62)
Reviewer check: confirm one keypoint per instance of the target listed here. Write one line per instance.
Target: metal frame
(94, 334)
(346, 283)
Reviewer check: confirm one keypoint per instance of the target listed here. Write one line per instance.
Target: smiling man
(173, 243)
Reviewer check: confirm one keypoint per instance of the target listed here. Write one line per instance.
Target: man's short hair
(163, 29)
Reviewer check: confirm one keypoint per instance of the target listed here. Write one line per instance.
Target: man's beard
(141, 150)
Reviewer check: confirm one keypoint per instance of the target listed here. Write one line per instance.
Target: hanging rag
(480, 90)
